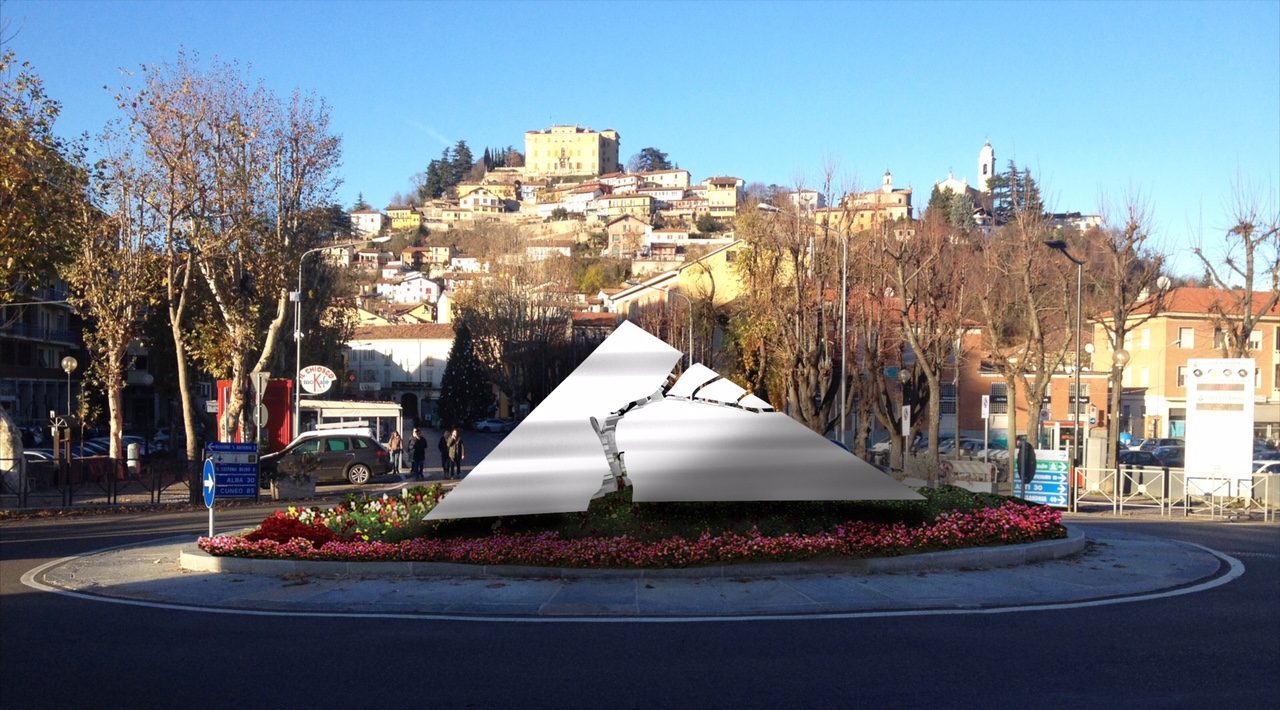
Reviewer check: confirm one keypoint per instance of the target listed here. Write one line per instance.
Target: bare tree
(255, 166)
(1249, 275)
(792, 267)
(1024, 299)
(930, 275)
(1123, 271)
(116, 251)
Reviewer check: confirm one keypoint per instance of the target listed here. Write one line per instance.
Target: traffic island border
(194, 559)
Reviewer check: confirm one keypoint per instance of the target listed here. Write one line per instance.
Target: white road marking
(1235, 571)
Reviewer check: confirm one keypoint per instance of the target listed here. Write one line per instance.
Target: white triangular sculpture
(703, 439)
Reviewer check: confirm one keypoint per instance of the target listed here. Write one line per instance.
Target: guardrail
(1172, 490)
(95, 480)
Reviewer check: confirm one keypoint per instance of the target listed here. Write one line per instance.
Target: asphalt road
(1216, 648)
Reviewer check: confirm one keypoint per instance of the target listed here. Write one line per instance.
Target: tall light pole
(844, 328)
(1061, 246)
(296, 297)
(69, 365)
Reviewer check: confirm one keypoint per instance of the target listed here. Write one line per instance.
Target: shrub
(283, 527)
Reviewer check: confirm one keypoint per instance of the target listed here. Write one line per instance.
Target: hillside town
(668, 245)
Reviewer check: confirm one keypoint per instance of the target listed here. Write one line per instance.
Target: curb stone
(194, 559)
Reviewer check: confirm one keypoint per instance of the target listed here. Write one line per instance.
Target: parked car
(1171, 456)
(332, 455)
(494, 425)
(1140, 459)
(89, 448)
(1272, 467)
(1153, 444)
(37, 455)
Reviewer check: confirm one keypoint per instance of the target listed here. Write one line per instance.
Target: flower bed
(390, 528)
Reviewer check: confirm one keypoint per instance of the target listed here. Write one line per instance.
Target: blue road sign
(208, 483)
(1050, 485)
(237, 468)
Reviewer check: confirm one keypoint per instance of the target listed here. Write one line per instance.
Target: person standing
(418, 451)
(396, 447)
(456, 453)
(443, 447)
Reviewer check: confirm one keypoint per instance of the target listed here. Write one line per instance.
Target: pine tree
(487, 159)
(461, 164)
(1013, 192)
(465, 393)
(939, 199)
(959, 211)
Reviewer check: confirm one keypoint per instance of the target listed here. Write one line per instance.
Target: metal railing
(95, 480)
(1174, 490)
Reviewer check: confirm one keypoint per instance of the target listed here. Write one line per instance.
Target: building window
(1182, 376)
(1217, 338)
(1257, 378)
(1255, 340)
(1186, 338)
(1144, 377)
(999, 398)
(947, 402)
(1278, 341)
(1146, 338)
(1275, 378)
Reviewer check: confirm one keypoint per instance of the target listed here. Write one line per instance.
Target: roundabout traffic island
(620, 535)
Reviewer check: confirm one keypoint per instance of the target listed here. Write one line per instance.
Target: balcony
(43, 333)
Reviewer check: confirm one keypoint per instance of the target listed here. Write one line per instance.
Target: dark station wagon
(329, 456)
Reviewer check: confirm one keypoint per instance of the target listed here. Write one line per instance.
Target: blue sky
(1177, 102)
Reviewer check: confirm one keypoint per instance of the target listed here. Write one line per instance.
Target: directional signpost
(1051, 485)
(209, 482)
(237, 469)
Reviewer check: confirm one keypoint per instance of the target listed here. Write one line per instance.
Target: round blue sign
(208, 482)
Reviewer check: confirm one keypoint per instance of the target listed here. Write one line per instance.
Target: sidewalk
(1110, 564)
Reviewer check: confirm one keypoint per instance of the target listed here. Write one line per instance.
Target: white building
(410, 288)
(367, 222)
(806, 201)
(404, 363)
(666, 178)
(539, 251)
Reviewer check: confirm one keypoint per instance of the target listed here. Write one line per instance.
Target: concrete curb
(194, 559)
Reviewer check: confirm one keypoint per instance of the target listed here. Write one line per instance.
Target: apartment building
(1184, 329)
(570, 150)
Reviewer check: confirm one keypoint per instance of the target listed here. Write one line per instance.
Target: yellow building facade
(570, 150)
(404, 217)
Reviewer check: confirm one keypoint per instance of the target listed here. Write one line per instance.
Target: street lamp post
(1061, 246)
(296, 297)
(69, 365)
(844, 328)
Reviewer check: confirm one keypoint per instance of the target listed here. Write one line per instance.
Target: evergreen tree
(487, 159)
(360, 203)
(1014, 192)
(959, 211)
(438, 178)
(461, 164)
(649, 159)
(465, 394)
(939, 200)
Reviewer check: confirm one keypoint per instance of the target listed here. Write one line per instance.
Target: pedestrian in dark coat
(457, 452)
(418, 452)
(443, 446)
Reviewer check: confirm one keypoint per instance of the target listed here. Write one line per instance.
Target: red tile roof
(1198, 301)
(408, 331)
